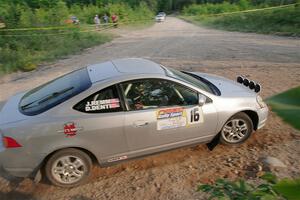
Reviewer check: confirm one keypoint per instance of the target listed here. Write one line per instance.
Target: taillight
(9, 142)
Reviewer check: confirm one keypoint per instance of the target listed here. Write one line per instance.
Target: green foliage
(211, 7)
(287, 106)
(290, 97)
(23, 52)
(206, 9)
(269, 177)
(241, 190)
(238, 190)
(26, 17)
(290, 189)
(58, 14)
(281, 21)
(244, 4)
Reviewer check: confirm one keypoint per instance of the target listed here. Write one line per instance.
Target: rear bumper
(19, 164)
(18, 172)
(262, 117)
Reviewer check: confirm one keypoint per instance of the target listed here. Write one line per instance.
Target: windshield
(187, 78)
(54, 92)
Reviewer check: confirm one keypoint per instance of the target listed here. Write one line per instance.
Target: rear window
(50, 94)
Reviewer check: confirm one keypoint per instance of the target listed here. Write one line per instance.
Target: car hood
(227, 87)
(9, 110)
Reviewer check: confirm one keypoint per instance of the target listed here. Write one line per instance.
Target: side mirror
(201, 99)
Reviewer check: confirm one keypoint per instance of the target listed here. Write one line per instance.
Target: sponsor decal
(178, 117)
(102, 104)
(70, 129)
(171, 118)
(117, 159)
(170, 112)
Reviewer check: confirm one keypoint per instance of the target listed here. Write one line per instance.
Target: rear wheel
(237, 129)
(68, 168)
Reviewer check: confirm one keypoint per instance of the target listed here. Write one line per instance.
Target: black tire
(237, 135)
(59, 158)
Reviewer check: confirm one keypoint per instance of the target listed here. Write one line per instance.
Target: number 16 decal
(195, 115)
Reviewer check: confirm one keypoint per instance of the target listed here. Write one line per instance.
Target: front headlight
(260, 102)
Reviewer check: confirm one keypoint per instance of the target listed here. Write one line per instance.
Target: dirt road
(273, 61)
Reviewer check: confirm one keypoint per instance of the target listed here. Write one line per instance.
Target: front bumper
(159, 20)
(262, 117)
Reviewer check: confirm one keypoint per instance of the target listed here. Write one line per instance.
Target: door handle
(140, 123)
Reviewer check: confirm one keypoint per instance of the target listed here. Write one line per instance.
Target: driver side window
(154, 93)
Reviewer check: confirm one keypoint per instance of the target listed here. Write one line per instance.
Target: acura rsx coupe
(119, 110)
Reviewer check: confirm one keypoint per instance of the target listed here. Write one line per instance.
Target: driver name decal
(102, 104)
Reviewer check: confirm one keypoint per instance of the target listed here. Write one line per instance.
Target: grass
(25, 53)
(139, 25)
(287, 106)
(25, 49)
(279, 21)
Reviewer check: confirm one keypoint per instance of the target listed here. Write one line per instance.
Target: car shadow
(13, 181)
(15, 195)
(13, 184)
(80, 197)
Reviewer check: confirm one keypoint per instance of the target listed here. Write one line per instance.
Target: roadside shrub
(242, 190)
(18, 51)
(206, 9)
(26, 17)
(125, 13)
(25, 53)
(243, 4)
(58, 14)
(280, 21)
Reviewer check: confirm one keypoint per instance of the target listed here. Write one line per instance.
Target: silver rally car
(119, 110)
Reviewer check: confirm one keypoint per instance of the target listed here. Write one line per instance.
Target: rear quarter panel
(41, 137)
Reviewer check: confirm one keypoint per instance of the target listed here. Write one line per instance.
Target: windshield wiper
(46, 98)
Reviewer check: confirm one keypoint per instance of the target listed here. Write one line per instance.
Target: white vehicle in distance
(160, 17)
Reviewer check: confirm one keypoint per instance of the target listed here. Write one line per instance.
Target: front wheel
(237, 129)
(68, 168)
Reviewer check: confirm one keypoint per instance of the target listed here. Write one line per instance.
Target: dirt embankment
(273, 61)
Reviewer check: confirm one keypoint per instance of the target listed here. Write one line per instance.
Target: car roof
(123, 67)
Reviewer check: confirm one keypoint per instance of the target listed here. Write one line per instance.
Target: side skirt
(131, 156)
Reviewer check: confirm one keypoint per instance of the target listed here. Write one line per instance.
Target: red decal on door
(70, 129)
